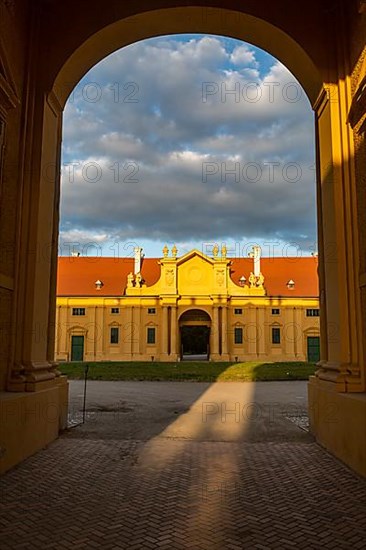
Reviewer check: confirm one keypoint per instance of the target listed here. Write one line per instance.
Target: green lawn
(192, 371)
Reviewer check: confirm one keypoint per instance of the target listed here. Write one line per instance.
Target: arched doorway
(328, 64)
(194, 330)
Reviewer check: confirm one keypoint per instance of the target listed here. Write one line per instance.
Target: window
(238, 311)
(238, 335)
(276, 335)
(151, 335)
(151, 310)
(115, 310)
(78, 310)
(312, 313)
(275, 311)
(114, 335)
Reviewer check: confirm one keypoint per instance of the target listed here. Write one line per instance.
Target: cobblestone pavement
(180, 492)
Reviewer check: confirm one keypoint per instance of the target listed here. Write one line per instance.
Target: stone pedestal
(337, 420)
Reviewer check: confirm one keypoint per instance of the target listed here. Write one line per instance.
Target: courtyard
(176, 465)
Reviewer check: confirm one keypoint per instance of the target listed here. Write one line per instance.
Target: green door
(77, 348)
(313, 349)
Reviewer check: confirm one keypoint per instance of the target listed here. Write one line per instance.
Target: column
(250, 332)
(262, 332)
(132, 330)
(224, 333)
(62, 331)
(95, 340)
(136, 332)
(338, 246)
(215, 333)
(164, 331)
(34, 367)
(173, 334)
(289, 334)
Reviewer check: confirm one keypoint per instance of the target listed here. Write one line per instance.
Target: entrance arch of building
(195, 329)
(328, 64)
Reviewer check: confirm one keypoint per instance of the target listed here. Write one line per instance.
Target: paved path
(184, 465)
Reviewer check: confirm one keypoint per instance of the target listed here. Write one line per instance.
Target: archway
(188, 19)
(330, 82)
(194, 328)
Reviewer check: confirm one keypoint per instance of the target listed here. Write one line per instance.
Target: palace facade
(170, 308)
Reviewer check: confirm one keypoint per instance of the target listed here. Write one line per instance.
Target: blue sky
(191, 140)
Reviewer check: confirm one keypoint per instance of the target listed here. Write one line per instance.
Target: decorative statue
(130, 280)
(138, 280)
(215, 250)
(174, 251)
(223, 251)
(165, 251)
(252, 279)
(260, 280)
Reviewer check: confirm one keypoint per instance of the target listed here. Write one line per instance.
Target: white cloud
(243, 55)
(178, 166)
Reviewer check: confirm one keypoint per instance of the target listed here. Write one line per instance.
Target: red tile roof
(278, 271)
(77, 275)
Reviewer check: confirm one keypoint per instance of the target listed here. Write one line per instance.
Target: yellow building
(167, 309)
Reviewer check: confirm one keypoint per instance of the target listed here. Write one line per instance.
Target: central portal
(195, 340)
(195, 328)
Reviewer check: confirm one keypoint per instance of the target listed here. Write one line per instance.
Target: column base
(33, 376)
(337, 420)
(217, 357)
(346, 376)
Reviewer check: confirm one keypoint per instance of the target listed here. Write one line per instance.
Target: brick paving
(176, 494)
(182, 483)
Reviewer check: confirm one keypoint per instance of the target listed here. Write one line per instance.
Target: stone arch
(177, 20)
(194, 315)
(195, 332)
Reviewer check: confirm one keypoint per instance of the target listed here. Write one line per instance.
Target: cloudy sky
(190, 140)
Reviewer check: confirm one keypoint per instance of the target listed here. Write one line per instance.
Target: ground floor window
(238, 335)
(114, 335)
(276, 335)
(151, 335)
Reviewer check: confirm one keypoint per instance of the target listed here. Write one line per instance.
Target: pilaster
(338, 246)
(174, 333)
(224, 334)
(165, 331)
(215, 333)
